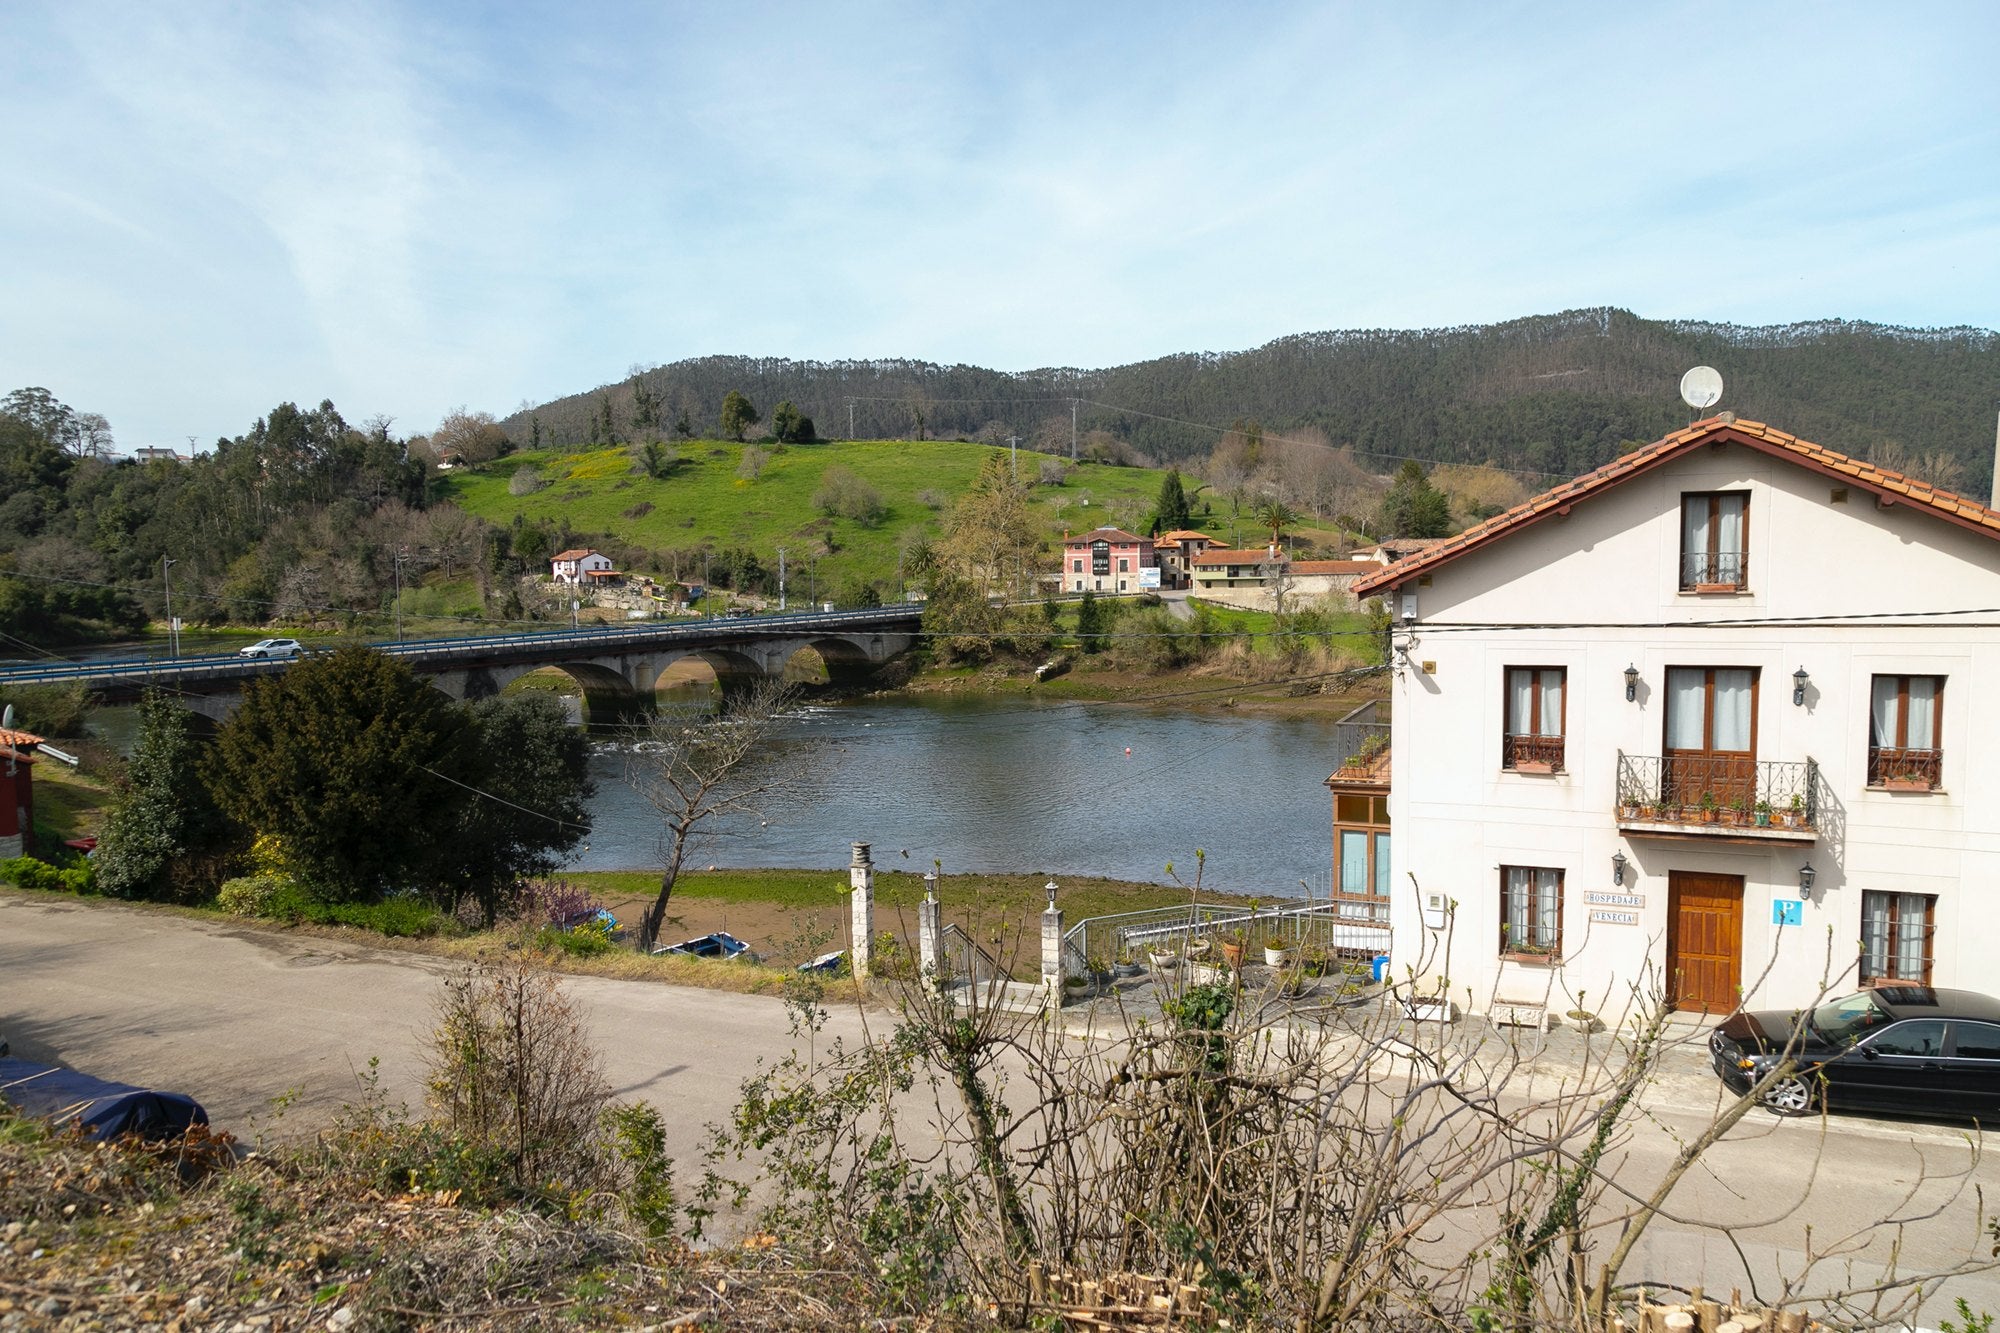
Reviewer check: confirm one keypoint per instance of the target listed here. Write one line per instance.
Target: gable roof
(577, 554)
(1890, 487)
(1179, 535)
(1310, 567)
(1107, 534)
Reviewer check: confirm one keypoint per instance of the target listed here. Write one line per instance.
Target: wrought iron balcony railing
(1906, 770)
(1535, 754)
(1716, 789)
(1725, 569)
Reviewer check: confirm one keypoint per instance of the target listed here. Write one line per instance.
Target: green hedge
(29, 873)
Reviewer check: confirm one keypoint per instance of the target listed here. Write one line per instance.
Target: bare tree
(694, 769)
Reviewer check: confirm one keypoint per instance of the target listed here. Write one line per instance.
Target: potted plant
(1279, 955)
(1795, 812)
(1628, 809)
(1232, 944)
(1708, 808)
(1164, 959)
(1128, 964)
(1763, 814)
(1291, 981)
(1432, 1005)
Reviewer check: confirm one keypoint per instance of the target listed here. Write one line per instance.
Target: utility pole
(1072, 430)
(173, 630)
(1014, 457)
(850, 418)
(402, 554)
(781, 578)
(706, 591)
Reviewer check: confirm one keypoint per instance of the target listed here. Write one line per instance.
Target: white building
(1723, 710)
(580, 566)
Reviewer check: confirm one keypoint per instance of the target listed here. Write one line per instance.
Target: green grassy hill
(704, 505)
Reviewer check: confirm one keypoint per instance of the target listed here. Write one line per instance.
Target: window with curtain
(1903, 742)
(1534, 737)
(1531, 911)
(1896, 930)
(1710, 708)
(1714, 529)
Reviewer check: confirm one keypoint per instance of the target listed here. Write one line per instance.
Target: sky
(210, 209)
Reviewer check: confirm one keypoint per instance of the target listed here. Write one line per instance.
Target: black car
(1893, 1048)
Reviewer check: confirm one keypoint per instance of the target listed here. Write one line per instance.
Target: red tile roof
(1116, 536)
(571, 555)
(1891, 486)
(1260, 556)
(1179, 535)
(1334, 566)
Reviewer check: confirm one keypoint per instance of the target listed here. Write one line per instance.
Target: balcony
(1723, 797)
(1905, 770)
(1534, 754)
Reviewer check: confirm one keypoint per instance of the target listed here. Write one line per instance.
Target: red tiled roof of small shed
(1893, 486)
(18, 741)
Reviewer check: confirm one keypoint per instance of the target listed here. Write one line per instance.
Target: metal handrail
(211, 665)
(1690, 788)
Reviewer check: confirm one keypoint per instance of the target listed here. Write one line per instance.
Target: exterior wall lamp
(1799, 682)
(1806, 877)
(1051, 887)
(1631, 683)
(1618, 864)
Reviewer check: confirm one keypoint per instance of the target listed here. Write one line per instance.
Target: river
(1117, 790)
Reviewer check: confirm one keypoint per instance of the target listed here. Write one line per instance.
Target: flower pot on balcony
(1275, 956)
(1232, 951)
(1628, 810)
(1906, 784)
(1533, 766)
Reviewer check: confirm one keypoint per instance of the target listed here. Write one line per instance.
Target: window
(1903, 748)
(1534, 737)
(1124, 564)
(1713, 553)
(1531, 912)
(1896, 930)
(1978, 1041)
(1076, 566)
(1362, 853)
(1925, 1038)
(1710, 746)
(1100, 557)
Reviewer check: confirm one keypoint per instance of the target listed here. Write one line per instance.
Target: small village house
(581, 567)
(17, 791)
(1109, 560)
(1176, 551)
(1698, 717)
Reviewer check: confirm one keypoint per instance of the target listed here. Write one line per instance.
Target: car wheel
(1790, 1095)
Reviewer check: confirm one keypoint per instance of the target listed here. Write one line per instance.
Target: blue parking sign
(1787, 912)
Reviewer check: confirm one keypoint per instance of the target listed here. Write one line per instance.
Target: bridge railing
(577, 641)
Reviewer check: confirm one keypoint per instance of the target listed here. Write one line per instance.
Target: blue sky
(214, 208)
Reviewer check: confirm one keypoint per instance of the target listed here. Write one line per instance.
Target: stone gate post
(861, 876)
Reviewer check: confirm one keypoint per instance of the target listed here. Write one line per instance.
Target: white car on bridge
(273, 648)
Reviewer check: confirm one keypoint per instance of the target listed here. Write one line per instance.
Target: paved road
(238, 1016)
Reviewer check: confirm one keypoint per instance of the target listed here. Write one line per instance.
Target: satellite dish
(7, 718)
(1701, 387)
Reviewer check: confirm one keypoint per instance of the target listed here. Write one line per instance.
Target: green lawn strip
(67, 804)
(1006, 895)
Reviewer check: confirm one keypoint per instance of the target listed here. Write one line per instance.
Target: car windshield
(1845, 1021)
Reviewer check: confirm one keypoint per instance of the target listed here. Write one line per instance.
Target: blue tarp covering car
(103, 1109)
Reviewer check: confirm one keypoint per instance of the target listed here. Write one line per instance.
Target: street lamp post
(781, 578)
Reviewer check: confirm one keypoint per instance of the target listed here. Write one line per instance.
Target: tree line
(1554, 394)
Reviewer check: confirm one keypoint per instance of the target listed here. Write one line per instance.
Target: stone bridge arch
(846, 661)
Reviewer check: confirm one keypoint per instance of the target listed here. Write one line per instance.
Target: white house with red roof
(1109, 560)
(581, 566)
(1718, 716)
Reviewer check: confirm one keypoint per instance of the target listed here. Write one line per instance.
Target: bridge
(618, 668)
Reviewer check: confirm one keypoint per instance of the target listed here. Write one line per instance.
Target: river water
(1117, 790)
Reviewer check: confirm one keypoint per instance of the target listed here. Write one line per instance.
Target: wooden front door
(1704, 941)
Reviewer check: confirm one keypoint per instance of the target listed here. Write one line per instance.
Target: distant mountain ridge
(1552, 394)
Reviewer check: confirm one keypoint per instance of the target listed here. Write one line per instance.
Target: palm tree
(1277, 516)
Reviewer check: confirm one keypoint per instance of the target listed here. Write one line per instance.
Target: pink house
(1109, 560)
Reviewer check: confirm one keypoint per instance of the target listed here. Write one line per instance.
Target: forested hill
(1556, 394)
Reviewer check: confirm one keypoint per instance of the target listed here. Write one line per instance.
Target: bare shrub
(842, 494)
(512, 1072)
(751, 465)
(525, 481)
